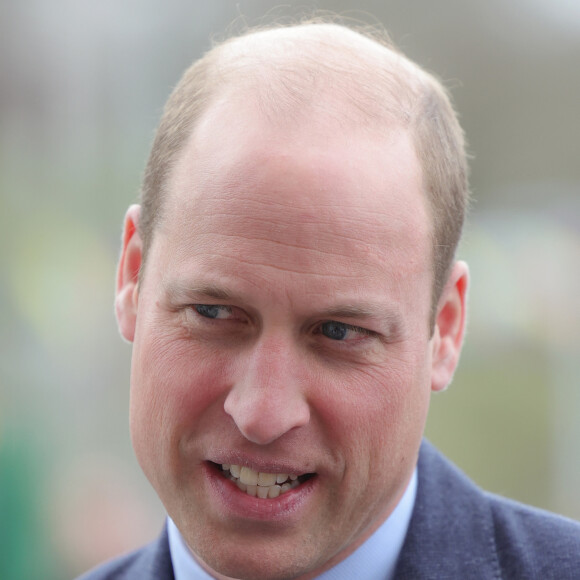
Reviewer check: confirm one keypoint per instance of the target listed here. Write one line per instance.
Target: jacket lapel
(451, 534)
(154, 562)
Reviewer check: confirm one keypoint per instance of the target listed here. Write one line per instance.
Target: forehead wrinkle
(308, 229)
(320, 252)
(322, 228)
(295, 245)
(292, 271)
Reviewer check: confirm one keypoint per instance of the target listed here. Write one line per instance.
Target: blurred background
(82, 84)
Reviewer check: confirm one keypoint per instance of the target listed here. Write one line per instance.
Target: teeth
(260, 484)
(267, 479)
(249, 476)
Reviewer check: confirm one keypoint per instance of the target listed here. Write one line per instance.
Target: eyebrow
(176, 290)
(352, 311)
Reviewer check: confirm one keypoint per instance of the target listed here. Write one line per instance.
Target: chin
(258, 564)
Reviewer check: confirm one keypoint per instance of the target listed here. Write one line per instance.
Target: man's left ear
(449, 327)
(127, 292)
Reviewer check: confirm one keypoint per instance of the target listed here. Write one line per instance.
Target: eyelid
(221, 307)
(350, 326)
(361, 331)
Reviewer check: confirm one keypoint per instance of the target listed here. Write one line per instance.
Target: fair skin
(283, 325)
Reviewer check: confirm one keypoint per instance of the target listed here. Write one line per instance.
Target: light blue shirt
(377, 557)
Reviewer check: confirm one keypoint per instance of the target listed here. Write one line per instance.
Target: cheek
(374, 422)
(173, 387)
(379, 411)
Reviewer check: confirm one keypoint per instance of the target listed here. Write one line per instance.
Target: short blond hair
(281, 65)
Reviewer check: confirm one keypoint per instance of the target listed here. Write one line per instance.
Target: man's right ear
(127, 291)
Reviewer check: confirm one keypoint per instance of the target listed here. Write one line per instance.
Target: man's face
(282, 330)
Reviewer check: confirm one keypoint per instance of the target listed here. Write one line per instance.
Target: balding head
(318, 70)
(323, 71)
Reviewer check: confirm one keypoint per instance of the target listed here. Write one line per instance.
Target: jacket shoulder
(459, 531)
(533, 543)
(117, 569)
(152, 562)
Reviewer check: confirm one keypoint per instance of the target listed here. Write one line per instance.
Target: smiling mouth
(260, 484)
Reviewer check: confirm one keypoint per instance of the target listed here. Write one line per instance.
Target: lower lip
(233, 502)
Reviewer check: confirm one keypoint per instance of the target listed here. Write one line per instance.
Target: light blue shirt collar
(377, 556)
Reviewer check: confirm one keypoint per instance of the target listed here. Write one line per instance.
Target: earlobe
(449, 327)
(127, 291)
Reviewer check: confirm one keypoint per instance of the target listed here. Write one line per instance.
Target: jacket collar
(451, 534)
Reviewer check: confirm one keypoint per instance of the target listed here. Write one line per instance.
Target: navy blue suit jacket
(457, 531)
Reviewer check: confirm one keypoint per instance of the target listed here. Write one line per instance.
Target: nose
(267, 400)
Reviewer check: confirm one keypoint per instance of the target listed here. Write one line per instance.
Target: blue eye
(212, 310)
(341, 331)
(335, 330)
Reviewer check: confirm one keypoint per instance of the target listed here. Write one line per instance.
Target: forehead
(235, 152)
(310, 198)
